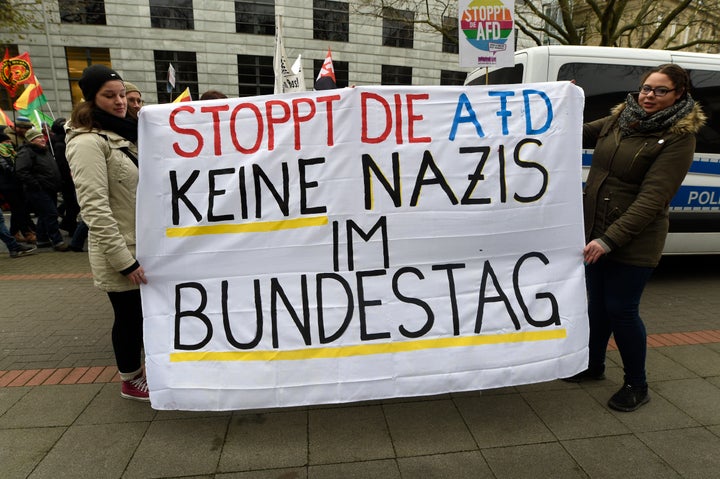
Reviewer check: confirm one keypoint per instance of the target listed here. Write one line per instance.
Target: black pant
(44, 203)
(20, 221)
(127, 331)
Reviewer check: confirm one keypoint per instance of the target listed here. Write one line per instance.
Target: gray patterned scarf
(634, 119)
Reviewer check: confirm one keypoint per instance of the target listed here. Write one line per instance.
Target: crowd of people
(80, 176)
(35, 180)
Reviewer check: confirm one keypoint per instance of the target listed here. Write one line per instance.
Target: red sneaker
(136, 389)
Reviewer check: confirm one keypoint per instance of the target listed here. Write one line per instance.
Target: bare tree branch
(632, 23)
(17, 17)
(665, 23)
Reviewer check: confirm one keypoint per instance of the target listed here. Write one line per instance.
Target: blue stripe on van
(697, 197)
(586, 159)
(707, 167)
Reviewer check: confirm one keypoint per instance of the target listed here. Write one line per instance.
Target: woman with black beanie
(102, 153)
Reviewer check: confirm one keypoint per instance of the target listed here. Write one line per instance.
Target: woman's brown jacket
(631, 182)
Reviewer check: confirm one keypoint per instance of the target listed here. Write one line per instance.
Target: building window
(341, 71)
(398, 28)
(395, 75)
(78, 59)
(86, 12)
(450, 77)
(255, 17)
(255, 75)
(330, 20)
(186, 76)
(173, 14)
(450, 37)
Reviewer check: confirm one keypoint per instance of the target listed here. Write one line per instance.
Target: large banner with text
(361, 243)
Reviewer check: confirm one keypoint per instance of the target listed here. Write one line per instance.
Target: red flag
(4, 119)
(15, 71)
(326, 77)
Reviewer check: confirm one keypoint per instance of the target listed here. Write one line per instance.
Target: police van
(607, 74)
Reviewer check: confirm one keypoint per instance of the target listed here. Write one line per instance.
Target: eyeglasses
(659, 91)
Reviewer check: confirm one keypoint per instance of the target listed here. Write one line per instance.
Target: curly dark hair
(677, 74)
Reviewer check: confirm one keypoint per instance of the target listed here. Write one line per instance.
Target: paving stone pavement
(61, 414)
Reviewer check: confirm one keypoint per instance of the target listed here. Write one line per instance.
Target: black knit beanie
(93, 78)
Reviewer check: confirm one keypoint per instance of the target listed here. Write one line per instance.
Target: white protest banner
(486, 33)
(361, 243)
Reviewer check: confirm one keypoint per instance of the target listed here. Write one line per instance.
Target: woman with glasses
(642, 152)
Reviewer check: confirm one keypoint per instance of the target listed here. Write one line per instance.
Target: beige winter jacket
(106, 183)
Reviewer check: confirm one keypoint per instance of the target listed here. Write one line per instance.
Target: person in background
(17, 132)
(21, 225)
(642, 152)
(102, 152)
(77, 243)
(38, 172)
(15, 249)
(70, 207)
(134, 100)
(213, 95)
(45, 130)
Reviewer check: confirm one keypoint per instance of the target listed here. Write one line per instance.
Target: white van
(606, 75)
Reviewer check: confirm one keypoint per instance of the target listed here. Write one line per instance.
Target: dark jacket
(8, 181)
(17, 141)
(37, 170)
(631, 182)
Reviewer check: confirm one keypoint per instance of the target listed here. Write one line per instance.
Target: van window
(608, 85)
(605, 85)
(501, 76)
(706, 91)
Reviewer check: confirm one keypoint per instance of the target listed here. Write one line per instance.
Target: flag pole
(51, 112)
(47, 131)
(52, 60)
(12, 101)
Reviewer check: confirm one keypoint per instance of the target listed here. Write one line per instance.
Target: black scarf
(634, 119)
(125, 127)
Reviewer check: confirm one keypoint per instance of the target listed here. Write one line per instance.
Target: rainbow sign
(487, 25)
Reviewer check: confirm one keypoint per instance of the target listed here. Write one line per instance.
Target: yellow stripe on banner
(368, 349)
(259, 227)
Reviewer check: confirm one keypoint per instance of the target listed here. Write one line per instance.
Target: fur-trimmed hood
(691, 123)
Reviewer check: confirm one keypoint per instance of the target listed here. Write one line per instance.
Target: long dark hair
(677, 74)
(82, 115)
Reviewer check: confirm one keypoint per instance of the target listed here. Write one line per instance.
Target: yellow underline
(259, 227)
(368, 349)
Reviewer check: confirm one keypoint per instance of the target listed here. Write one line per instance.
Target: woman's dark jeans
(614, 291)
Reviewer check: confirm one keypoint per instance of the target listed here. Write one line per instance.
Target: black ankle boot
(629, 398)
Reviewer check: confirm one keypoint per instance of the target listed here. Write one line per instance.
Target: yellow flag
(184, 96)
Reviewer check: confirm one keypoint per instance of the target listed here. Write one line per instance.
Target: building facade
(225, 45)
